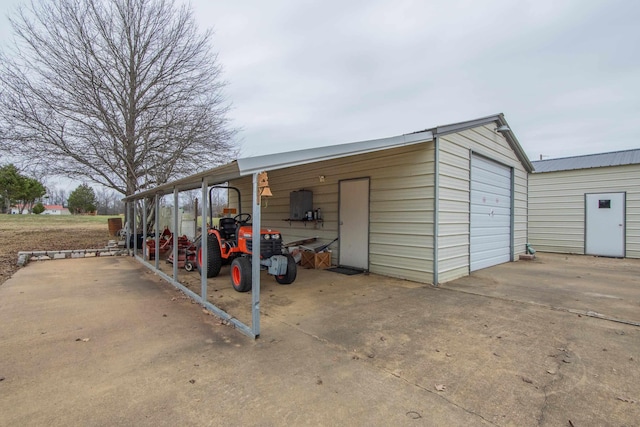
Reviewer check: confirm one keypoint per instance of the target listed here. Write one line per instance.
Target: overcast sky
(302, 74)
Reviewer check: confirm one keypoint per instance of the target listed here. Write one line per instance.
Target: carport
(428, 206)
(250, 168)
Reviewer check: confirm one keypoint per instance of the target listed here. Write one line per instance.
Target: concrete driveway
(105, 342)
(587, 285)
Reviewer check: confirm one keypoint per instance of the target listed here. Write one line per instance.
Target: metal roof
(247, 166)
(600, 160)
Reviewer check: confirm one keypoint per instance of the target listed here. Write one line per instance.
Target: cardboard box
(314, 260)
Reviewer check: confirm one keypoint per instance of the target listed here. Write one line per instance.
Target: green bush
(38, 208)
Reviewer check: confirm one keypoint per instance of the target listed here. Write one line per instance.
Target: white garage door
(490, 213)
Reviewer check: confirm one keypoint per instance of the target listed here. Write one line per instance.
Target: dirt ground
(46, 233)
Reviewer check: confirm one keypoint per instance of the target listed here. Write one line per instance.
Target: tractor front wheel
(241, 274)
(214, 256)
(290, 275)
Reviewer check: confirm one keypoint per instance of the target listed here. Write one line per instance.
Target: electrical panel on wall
(300, 203)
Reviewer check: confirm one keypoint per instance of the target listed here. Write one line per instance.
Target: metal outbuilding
(587, 204)
(428, 206)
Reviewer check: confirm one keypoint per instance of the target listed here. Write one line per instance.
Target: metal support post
(203, 239)
(144, 248)
(156, 226)
(255, 260)
(135, 228)
(127, 207)
(175, 233)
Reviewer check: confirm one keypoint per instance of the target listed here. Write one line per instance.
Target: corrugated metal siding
(401, 206)
(454, 221)
(556, 206)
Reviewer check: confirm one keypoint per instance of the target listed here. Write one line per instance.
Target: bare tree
(109, 203)
(57, 196)
(123, 93)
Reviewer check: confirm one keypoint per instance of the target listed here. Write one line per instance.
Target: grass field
(9, 221)
(48, 232)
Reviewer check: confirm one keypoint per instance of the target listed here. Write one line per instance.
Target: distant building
(55, 210)
(587, 204)
(16, 210)
(48, 210)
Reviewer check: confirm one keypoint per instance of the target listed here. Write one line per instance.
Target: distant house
(587, 204)
(16, 210)
(55, 210)
(48, 210)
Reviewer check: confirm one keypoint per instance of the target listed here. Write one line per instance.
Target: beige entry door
(354, 223)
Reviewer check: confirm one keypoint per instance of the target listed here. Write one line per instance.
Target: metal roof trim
(589, 161)
(249, 165)
(216, 175)
(268, 162)
(500, 121)
(469, 124)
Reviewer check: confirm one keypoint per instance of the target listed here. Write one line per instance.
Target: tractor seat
(227, 228)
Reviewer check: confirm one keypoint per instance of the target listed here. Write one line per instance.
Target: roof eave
(269, 162)
(499, 120)
(247, 166)
(214, 176)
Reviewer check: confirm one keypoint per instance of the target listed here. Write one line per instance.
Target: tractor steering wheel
(238, 218)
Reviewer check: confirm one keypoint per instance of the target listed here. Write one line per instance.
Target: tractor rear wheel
(292, 272)
(214, 257)
(241, 274)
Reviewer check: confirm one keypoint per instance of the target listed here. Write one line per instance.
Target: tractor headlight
(267, 236)
(276, 236)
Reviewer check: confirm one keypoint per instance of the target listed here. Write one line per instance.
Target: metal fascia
(458, 127)
(269, 162)
(215, 175)
(515, 145)
(500, 121)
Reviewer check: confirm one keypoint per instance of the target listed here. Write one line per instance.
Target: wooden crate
(311, 259)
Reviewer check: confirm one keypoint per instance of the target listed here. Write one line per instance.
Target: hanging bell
(265, 192)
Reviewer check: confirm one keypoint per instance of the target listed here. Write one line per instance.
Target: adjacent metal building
(587, 204)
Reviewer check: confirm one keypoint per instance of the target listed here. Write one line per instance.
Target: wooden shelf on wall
(315, 222)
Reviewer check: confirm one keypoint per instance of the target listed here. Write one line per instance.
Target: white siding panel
(556, 206)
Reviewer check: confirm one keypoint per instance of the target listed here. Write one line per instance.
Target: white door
(490, 228)
(605, 227)
(354, 223)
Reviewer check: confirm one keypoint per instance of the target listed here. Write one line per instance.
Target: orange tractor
(232, 243)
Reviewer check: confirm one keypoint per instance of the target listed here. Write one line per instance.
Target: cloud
(309, 73)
